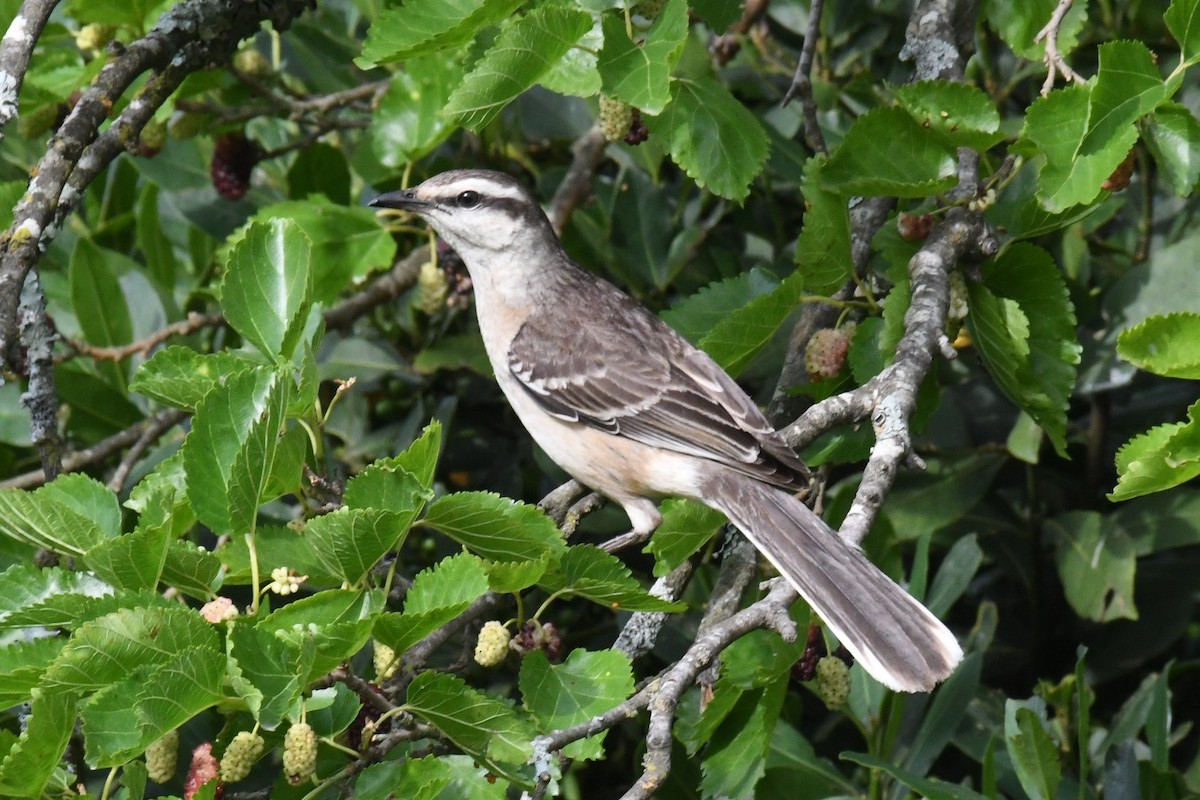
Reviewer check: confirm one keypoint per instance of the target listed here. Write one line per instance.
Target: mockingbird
(629, 408)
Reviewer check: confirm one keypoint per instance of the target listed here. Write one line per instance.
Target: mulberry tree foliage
(268, 529)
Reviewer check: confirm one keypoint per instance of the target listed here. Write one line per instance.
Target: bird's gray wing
(625, 372)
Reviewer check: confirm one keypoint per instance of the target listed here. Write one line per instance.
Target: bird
(632, 410)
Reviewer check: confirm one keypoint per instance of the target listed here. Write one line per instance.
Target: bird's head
(477, 212)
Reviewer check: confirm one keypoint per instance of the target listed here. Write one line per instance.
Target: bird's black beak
(405, 199)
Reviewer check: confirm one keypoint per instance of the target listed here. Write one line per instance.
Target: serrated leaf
(268, 286)
(495, 527)
(576, 73)
(408, 124)
(591, 573)
(1167, 345)
(1161, 458)
(1023, 325)
(413, 778)
(886, 152)
(180, 377)
(1096, 562)
(131, 562)
(22, 664)
(346, 242)
(229, 453)
(266, 671)
(69, 611)
(23, 586)
(712, 136)
(823, 247)
(41, 519)
(422, 27)
(959, 114)
(158, 701)
(437, 595)
(521, 54)
(33, 758)
(515, 576)
(583, 686)
(350, 541)
(483, 727)
(107, 649)
(1183, 21)
(695, 315)
(420, 458)
(1033, 755)
(1127, 87)
(1172, 135)
(639, 71)
(686, 527)
(1018, 25)
(335, 624)
(736, 340)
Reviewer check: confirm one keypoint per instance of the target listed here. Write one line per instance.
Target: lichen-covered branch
(15, 49)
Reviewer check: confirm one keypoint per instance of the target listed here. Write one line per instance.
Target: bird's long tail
(894, 637)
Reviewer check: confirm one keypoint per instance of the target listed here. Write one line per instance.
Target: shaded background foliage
(222, 274)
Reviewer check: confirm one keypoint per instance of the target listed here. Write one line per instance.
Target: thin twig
(159, 425)
(195, 321)
(802, 81)
(1055, 63)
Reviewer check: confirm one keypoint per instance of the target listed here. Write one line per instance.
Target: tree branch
(802, 81)
(15, 49)
(1055, 63)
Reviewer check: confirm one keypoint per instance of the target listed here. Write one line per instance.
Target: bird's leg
(643, 516)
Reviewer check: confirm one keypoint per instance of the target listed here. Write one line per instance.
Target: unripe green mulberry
(94, 36)
(650, 9)
(833, 682)
(492, 646)
(385, 661)
(240, 756)
(162, 756)
(431, 289)
(251, 63)
(299, 753)
(616, 116)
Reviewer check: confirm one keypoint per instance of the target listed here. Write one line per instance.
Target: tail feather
(894, 637)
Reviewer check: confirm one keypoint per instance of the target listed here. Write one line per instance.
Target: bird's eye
(467, 199)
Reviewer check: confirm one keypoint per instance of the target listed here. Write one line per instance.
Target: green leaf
(99, 303)
(180, 377)
(35, 755)
(1127, 87)
(1161, 458)
(22, 664)
(350, 541)
(712, 136)
(949, 709)
(823, 248)
(929, 788)
(485, 728)
(576, 73)
(638, 70)
(23, 586)
(421, 457)
(157, 250)
(408, 124)
(695, 315)
(958, 114)
(735, 757)
(1183, 21)
(495, 527)
(1019, 25)
(686, 527)
(48, 518)
(1023, 325)
(736, 340)
(931, 500)
(268, 286)
(1172, 135)
(886, 152)
(437, 595)
(958, 568)
(229, 453)
(421, 27)
(585, 685)
(381, 487)
(413, 778)
(1096, 563)
(1033, 754)
(266, 671)
(524, 51)
(347, 242)
(1167, 345)
(589, 572)
(336, 624)
(106, 650)
(133, 561)
(167, 697)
